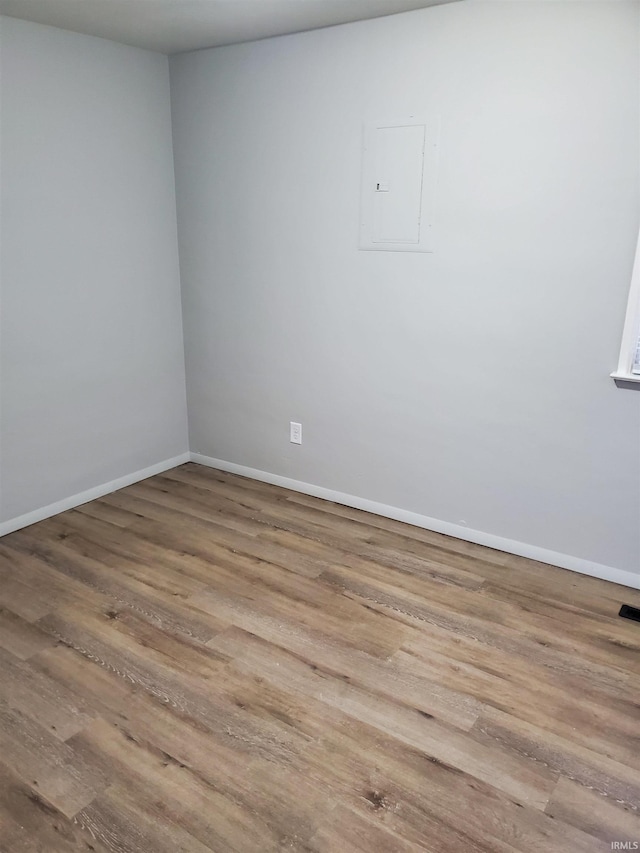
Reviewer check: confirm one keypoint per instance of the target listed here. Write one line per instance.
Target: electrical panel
(399, 172)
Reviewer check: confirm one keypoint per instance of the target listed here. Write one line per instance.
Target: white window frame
(631, 332)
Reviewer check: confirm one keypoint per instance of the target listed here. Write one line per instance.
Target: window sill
(623, 379)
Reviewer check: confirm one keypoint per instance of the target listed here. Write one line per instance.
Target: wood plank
(429, 802)
(19, 637)
(44, 700)
(351, 832)
(594, 813)
(610, 778)
(410, 726)
(44, 763)
(69, 557)
(384, 678)
(528, 694)
(273, 524)
(477, 617)
(31, 824)
(152, 776)
(226, 757)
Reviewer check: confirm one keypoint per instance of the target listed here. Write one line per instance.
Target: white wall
(470, 385)
(91, 337)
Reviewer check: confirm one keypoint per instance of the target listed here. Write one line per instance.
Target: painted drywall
(91, 353)
(471, 385)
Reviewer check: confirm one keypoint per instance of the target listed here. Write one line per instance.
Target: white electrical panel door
(397, 196)
(398, 185)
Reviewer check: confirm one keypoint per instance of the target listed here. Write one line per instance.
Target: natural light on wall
(628, 369)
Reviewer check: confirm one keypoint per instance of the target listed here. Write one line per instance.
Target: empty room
(319, 426)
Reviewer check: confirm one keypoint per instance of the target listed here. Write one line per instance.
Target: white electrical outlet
(295, 433)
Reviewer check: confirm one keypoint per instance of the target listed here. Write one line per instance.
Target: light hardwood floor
(202, 662)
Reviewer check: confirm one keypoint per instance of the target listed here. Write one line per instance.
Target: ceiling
(172, 26)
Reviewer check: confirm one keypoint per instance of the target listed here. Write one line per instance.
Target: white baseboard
(510, 546)
(90, 495)
(521, 549)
